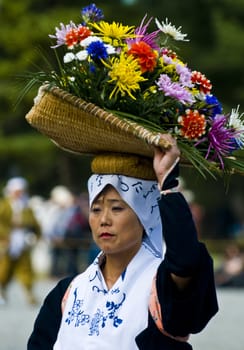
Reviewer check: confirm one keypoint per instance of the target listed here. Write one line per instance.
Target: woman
(132, 296)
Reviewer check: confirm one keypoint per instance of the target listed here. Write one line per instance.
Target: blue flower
(97, 50)
(216, 105)
(92, 68)
(91, 13)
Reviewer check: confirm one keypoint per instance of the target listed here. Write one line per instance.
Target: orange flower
(71, 38)
(75, 35)
(147, 57)
(203, 83)
(193, 124)
(83, 33)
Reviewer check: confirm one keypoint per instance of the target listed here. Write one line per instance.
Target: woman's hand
(182, 246)
(165, 160)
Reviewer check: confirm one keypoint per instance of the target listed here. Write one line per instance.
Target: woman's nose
(105, 218)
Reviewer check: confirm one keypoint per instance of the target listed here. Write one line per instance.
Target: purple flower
(97, 50)
(91, 13)
(60, 35)
(142, 35)
(221, 139)
(185, 75)
(173, 89)
(167, 59)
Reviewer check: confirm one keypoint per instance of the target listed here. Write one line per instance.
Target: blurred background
(216, 32)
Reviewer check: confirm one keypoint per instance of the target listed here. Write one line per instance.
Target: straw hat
(81, 127)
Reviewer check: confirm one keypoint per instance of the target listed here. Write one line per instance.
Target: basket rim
(83, 128)
(130, 127)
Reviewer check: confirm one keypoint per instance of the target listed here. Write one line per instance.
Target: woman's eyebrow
(111, 200)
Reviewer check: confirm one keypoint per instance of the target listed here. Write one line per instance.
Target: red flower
(146, 55)
(71, 38)
(169, 53)
(83, 33)
(75, 35)
(193, 124)
(203, 83)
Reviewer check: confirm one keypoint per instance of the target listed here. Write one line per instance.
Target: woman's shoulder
(57, 292)
(49, 317)
(63, 284)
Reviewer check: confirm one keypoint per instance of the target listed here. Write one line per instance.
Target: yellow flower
(195, 92)
(114, 33)
(125, 73)
(150, 91)
(169, 69)
(178, 61)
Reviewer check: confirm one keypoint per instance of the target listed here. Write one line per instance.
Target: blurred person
(58, 211)
(237, 205)
(41, 258)
(196, 208)
(231, 271)
(93, 249)
(19, 230)
(37, 204)
(77, 237)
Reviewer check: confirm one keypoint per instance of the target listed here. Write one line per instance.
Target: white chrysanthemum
(82, 55)
(169, 29)
(87, 41)
(69, 57)
(110, 49)
(237, 122)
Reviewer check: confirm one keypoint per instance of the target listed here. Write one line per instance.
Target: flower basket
(84, 128)
(117, 88)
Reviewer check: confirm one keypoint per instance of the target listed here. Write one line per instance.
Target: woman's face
(114, 225)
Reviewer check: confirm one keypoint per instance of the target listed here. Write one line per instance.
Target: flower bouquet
(136, 75)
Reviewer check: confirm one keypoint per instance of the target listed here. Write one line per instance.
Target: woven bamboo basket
(84, 128)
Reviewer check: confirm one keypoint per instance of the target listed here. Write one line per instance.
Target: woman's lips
(106, 235)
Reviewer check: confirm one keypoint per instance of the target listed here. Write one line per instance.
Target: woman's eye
(117, 208)
(95, 210)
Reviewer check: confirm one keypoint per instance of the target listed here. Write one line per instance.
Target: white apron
(96, 318)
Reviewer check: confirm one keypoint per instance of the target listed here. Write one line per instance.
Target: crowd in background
(41, 236)
(64, 225)
(51, 237)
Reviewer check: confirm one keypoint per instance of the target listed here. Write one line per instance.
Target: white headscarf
(15, 184)
(142, 196)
